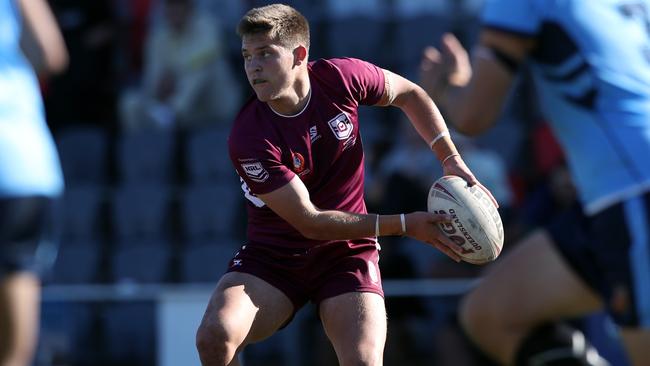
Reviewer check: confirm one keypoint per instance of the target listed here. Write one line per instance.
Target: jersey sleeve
(258, 162)
(363, 80)
(516, 16)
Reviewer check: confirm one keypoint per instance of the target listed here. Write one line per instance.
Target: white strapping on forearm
(441, 135)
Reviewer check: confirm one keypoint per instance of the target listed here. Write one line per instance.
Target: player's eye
(247, 57)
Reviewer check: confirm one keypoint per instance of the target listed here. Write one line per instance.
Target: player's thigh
(636, 343)
(354, 322)
(532, 284)
(246, 308)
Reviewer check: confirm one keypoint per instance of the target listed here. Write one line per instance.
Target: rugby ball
(475, 221)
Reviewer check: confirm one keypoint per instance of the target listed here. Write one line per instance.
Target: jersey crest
(341, 126)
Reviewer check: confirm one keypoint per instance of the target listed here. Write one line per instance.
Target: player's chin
(263, 95)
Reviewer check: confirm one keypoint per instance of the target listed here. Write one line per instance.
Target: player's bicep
(293, 204)
(394, 87)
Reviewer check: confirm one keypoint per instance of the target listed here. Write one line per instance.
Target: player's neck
(294, 103)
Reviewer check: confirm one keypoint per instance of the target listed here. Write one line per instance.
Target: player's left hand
(448, 66)
(456, 166)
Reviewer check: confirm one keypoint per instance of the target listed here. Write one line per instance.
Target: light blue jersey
(29, 163)
(592, 71)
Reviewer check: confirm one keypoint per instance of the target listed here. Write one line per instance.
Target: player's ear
(299, 55)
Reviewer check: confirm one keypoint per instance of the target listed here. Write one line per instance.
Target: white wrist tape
(438, 137)
(377, 226)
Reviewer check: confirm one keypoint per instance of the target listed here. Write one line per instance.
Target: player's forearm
(340, 225)
(45, 45)
(427, 120)
(466, 112)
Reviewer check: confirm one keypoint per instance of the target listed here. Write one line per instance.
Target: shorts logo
(372, 271)
(341, 126)
(255, 171)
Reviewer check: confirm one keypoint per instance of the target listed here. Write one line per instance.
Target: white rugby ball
(475, 225)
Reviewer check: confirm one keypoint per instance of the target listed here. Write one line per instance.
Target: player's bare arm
(292, 203)
(473, 95)
(44, 42)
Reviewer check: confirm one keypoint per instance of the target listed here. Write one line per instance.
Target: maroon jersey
(321, 144)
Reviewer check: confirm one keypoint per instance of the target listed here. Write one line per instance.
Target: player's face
(269, 67)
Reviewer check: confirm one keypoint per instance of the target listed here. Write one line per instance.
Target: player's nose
(253, 66)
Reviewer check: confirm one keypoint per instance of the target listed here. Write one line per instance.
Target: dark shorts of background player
(313, 274)
(27, 236)
(611, 252)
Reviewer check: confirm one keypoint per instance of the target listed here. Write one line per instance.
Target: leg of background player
(19, 314)
(356, 325)
(637, 343)
(530, 286)
(243, 309)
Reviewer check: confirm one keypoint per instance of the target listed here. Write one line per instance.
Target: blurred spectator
(86, 92)
(404, 175)
(187, 79)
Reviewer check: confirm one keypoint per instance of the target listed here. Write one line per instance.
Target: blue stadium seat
(129, 333)
(205, 262)
(208, 211)
(67, 334)
(82, 212)
(141, 262)
(147, 157)
(84, 153)
(357, 36)
(141, 211)
(206, 157)
(412, 35)
(77, 262)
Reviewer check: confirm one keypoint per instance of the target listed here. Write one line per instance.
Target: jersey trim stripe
(637, 218)
(594, 207)
(293, 115)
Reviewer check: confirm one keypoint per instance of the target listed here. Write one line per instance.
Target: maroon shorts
(312, 274)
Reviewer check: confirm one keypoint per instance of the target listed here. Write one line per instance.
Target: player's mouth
(258, 81)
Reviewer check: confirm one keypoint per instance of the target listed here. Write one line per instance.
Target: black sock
(557, 344)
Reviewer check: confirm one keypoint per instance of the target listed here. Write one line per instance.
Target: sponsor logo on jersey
(255, 171)
(313, 134)
(341, 126)
(298, 162)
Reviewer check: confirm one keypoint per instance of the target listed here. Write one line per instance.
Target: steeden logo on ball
(475, 225)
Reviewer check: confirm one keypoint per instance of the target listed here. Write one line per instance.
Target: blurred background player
(185, 71)
(297, 147)
(30, 176)
(591, 65)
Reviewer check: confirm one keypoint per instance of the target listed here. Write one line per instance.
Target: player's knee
(369, 354)
(472, 315)
(215, 344)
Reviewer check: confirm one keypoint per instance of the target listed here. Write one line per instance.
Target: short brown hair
(281, 22)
